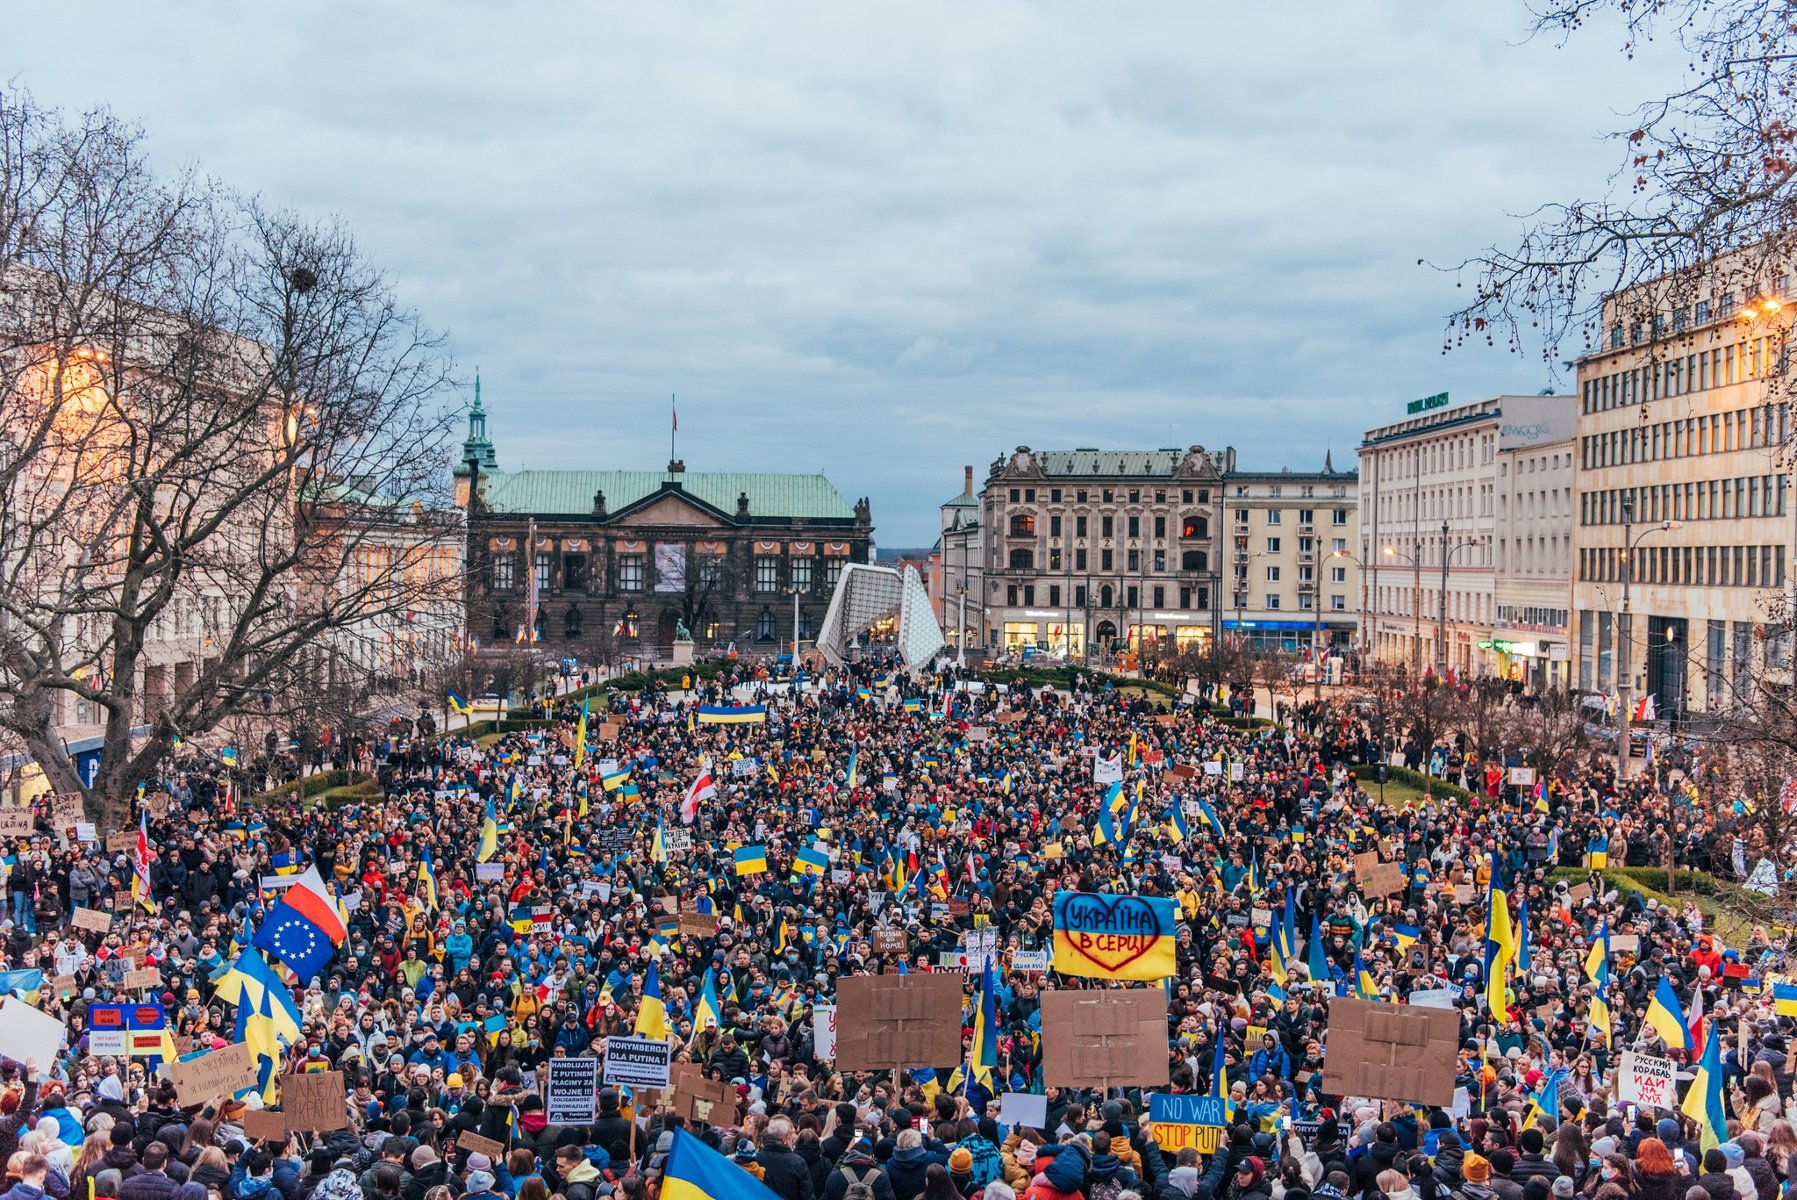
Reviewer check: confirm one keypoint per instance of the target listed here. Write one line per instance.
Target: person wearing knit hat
(1563, 1188)
(960, 1162)
(1475, 1169)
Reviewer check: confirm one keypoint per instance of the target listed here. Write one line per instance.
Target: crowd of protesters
(943, 810)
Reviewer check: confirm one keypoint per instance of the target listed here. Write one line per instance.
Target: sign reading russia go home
(637, 1062)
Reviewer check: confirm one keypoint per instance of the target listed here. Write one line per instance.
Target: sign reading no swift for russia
(1114, 937)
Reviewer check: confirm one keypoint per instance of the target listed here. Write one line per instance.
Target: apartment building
(1532, 565)
(1096, 551)
(1683, 530)
(1294, 579)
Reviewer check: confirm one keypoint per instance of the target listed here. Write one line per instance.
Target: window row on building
(670, 568)
(1192, 597)
(1696, 500)
(1025, 558)
(1759, 427)
(1192, 527)
(1700, 566)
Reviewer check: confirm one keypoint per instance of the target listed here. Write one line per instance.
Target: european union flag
(297, 942)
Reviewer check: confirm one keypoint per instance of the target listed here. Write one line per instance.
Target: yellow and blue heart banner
(1115, 937)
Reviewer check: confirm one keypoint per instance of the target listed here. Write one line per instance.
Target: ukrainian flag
(249, 979)
(1784, 999)
(580, 737)
(781, 935)
(1176, 825)
(1599, 953)
(457, 704)
(1500, 943)
(812, 861)
(286, 862)
(914, 704)
(751, 860)
(228, 756)
(658, 847)
(983, 1054)
(1703, 1103)
(428, 878)
(854, 761)
(652, 1014)
(708, 1013)
(1364, 987)
(489, 836)
(723, 714)
(1106, 832)
(694, 1171)
(493, 1026)
(1668, 1019)
(1405, 935)
(1210, 816)
(615, 780)
(1597, 853)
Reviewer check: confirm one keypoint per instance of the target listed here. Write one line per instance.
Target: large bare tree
(1701, 205)
(219, 452)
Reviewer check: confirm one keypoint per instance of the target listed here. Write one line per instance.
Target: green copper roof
(960, 500)
(571, 492)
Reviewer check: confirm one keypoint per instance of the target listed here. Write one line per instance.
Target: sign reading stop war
(1645, 1080)
(1115, 937)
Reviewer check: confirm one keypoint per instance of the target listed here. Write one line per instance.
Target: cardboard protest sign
(823, 1030)
(1625, 943)
(571, 1096)
(476, 1144)
(1645, 1080)
(1184, 1120)
(889, 1022)
(217, 1073)
(263, 1124)
(1391, 1051)
(1115, 937)
(1365, 861)
(147, 977)
(1110, 1038)
(67, 810)
(700, 1100)
(91, 918)
(15, 822)
(609, 730)
(701, 925)
(1383, 879)
(315, 1103)
(890, 940)
(121, 843)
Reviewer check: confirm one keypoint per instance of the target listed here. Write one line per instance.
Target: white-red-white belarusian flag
(140, 864)
(702, 789)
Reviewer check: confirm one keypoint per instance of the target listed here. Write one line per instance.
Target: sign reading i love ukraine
(1114, 937)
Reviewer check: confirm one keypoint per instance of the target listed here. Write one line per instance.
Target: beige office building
(1677, 423)
(1429, 528)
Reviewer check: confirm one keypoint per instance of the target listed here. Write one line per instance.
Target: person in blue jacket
(1270, 1058)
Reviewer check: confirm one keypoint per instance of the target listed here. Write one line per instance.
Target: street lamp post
(1416, 605)
(1441, 627)
(1625, 680)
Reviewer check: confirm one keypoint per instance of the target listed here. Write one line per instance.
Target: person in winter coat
(1505, 1188)
(153, 1182)
(1532, 1163)
(1251, 1180)
(1475, 1178)
(1381, 1156)
(784, 1172)
(1656, 1176)
(1715, 1178)
(33, 1171)
(1107, 1176)
(1060, 1173)
(429, 1171)
(1758, 1166)
(262, 1176)
(1184, 1181)
(909, 1161)
(982, 1147)
(611, 1132)
(858, 1166)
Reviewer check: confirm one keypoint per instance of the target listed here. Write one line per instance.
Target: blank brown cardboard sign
(264, 1124)
(1391, 1051)
(890, 1022)
(700, 1100)
(315, 1102)
(1117, 1038)
(1365, 861)
(477, 1144)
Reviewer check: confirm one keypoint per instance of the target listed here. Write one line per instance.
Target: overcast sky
(886, 240)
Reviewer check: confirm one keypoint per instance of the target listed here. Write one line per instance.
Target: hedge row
(310, 785)
(1369, 772)
(636, 681)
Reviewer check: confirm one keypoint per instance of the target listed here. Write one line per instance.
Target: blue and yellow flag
(652, 1013)
(983, 1054)
(694, 1171)
(428, 878)
(812, 860)
(738, 714)
(751, 860)
(1703, 1102)
(580, 737)
(1500, 944)
(1784, 999)
(1667, 1018)
(457, 704)
(615, 780)
(1405, 935)
(489, 835)
(1101, 936)
(708, 1013)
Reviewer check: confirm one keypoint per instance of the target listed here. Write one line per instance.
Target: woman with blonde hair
(1781, 1147)
(92, 1159)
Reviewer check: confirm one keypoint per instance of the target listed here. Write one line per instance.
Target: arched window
(1106, 633)
(1195, 528)
(1023, 525)
(1023, 558)
(764, 628)
(1194, 560)
(1104, 597)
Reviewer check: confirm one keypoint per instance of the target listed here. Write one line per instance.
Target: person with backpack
(858, 1166)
